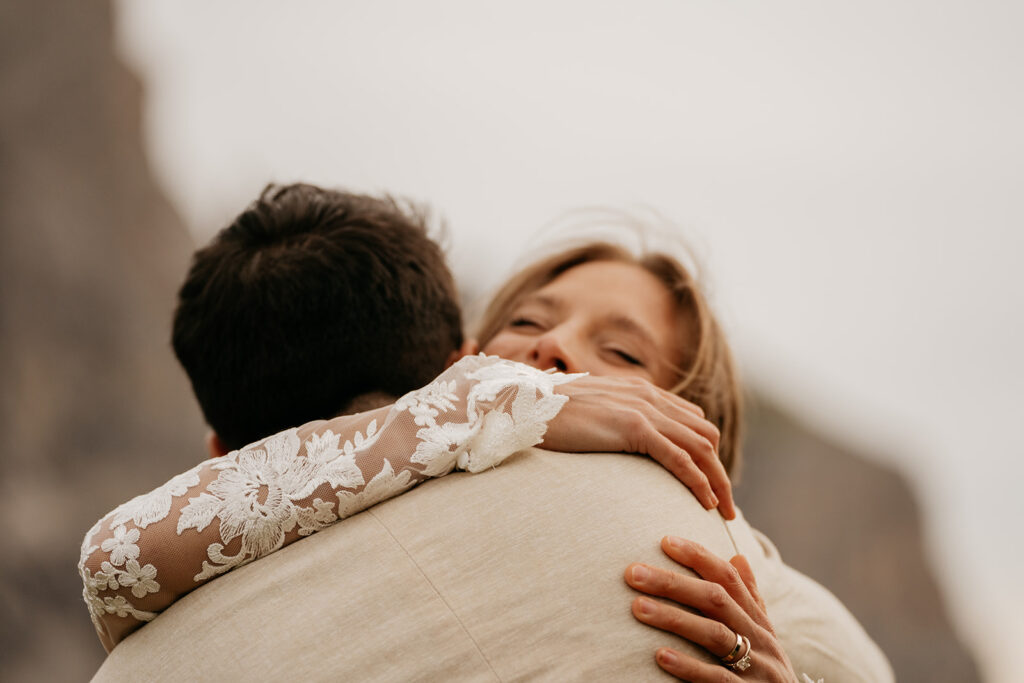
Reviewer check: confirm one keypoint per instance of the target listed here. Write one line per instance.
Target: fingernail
(676, 542)
(668, 657)
(645, 606)
(641, 574)
(714, 500)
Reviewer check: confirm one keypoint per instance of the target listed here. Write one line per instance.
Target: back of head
(310, 298)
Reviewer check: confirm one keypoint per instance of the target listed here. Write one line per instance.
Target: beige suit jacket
(514, 574)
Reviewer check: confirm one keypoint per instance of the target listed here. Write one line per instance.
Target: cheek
(506, 345)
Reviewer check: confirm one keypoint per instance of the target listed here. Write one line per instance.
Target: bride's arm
(228, 511)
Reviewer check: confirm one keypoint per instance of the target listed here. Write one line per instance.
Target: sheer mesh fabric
(228, 511)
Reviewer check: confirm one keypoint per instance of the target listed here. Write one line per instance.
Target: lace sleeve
(228, 511)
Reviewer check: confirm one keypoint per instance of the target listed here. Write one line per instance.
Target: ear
(470, 347)
(214, 445)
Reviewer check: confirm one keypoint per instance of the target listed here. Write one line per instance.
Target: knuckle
(702, 450)
(716, 597)
(674, 621)
(768, 643)
(637, 427)
(715, 434)
(673, 584)
(705, 483)
(635, 420)
(732, 576)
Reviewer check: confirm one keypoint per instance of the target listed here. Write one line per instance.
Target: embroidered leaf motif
(199, 512)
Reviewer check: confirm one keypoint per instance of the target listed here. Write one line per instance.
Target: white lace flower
(255, 501)
(254, 497)
(122, 545)
(156, 505)
(90, 593)
(383, 486)
(117, 605)
(120, 606)
(141, 579)
(440, 447)
(106, 577)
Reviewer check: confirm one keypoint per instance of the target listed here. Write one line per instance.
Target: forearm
(229, 511)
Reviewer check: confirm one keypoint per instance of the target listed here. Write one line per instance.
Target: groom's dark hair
(310, 298)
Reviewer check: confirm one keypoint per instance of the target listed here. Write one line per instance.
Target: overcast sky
(850, 175)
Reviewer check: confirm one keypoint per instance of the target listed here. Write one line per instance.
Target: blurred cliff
(854, 527)
(93, 407)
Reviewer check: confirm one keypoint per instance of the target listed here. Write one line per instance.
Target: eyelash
(632, 360)
(523, 322)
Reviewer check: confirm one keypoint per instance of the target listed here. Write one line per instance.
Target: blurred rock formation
(855, 527)
(93, 407)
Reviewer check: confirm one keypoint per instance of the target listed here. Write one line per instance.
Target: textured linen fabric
(514, 574)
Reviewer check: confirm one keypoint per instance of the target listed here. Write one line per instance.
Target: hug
(388, 498)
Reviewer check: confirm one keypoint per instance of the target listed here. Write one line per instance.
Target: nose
(550, 351)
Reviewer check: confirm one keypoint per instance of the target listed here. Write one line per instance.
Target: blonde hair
(706, 374)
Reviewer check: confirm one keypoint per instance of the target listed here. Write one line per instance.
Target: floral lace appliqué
(292, 484)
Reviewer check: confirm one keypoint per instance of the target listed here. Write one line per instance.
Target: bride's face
(602, 317)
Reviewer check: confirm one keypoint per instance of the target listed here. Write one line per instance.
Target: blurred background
(848, 174)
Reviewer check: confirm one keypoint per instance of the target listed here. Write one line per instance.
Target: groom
(316, 302)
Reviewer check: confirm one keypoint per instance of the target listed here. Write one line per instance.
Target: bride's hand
(631, 415)
(730, 605)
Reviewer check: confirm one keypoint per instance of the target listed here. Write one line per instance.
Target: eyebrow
(545, 300)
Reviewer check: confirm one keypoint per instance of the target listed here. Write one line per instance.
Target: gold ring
(729, 658)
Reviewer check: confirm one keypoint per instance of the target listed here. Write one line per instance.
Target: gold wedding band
(731, 657)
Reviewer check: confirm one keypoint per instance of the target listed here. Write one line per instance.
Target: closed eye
(523, 322)
(632, 360)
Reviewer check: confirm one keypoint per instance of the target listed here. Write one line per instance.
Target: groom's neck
(368, 401)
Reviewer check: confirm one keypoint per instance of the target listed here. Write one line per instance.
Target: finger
(663, 396)
(681, 464)
(713, 636)
(672, 406)
(717, 571)
(705, 457)
(709, 598)
(692, 669)
(747, 575)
